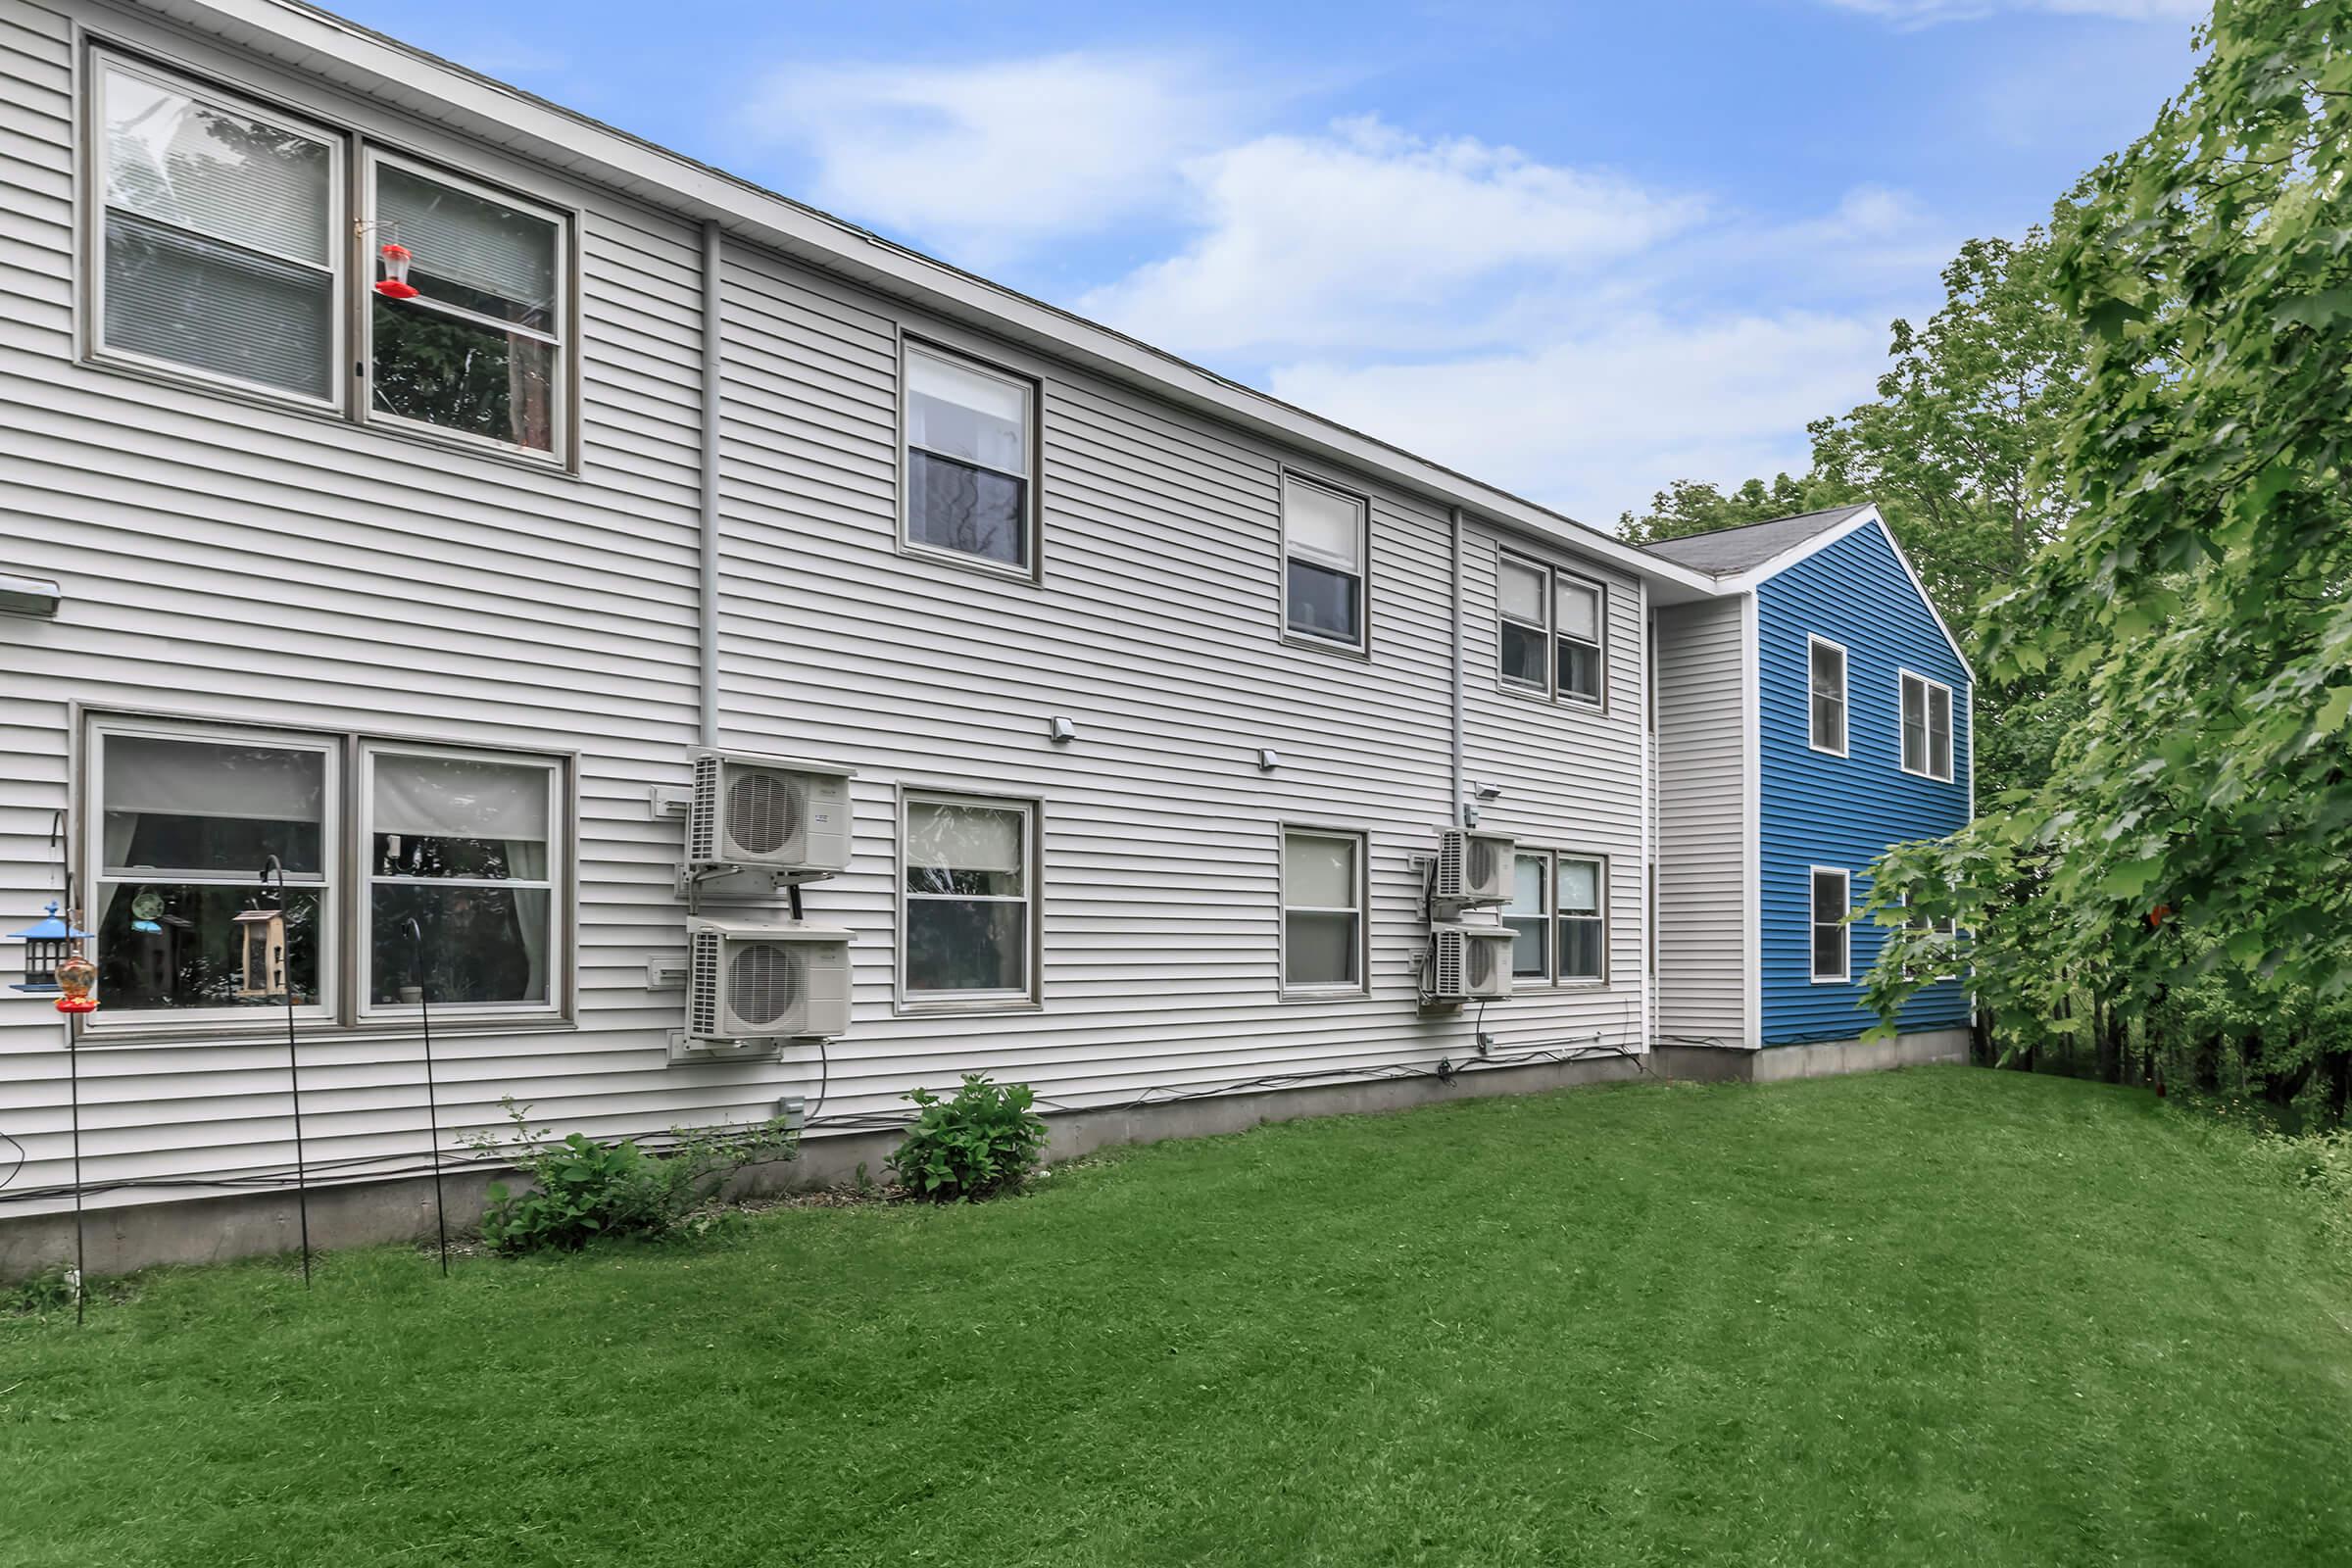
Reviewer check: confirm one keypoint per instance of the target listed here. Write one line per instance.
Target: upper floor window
(1825, 682)
(460, 855)
(967, 909)
(1322, 911)
(219, 236)
(1927, 727)
(478, 349)
(1550, 638)
(220, 239)
(969, 445)
(1324, 539)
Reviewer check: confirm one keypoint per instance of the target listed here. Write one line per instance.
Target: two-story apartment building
(408, 477)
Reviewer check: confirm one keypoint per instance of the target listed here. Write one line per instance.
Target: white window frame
(1905, 681)
(1031, 567)
(559, 451)
(327, 882)
(1362, 571)
(1599, 917)
(1814, 922)
(556, 883)
(1361, 847)
(1846, 697)
(1948, 929)
(1550, 689)
(1023, 997)
(95, 347)
(1546, 916)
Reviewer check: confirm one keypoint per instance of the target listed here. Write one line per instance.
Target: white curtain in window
(146, 773)
(963, 838)
(1319, 873)
(479, 244)
(961, 413)
(1521, 592)
(1321, 525)
(458, 797)
(1527, 886)
(1580, 887)
(215, 172)
(1579, 611)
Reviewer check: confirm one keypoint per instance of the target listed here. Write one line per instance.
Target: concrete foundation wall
(208, 1230)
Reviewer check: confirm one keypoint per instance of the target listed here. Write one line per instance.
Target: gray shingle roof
(1727, 551)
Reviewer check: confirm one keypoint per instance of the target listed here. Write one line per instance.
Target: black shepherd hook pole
(81, 1267)
(432, 1108)
(285, 982)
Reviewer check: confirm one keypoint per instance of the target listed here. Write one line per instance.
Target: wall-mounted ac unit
(1469, 963)
(1474, 870)
(767, 814)
(749, 987)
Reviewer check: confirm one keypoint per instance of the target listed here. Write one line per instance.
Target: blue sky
(1577, 250)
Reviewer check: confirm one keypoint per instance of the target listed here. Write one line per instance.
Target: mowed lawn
(1939, 1316)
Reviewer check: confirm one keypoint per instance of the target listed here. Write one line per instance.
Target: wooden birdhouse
(261, 948)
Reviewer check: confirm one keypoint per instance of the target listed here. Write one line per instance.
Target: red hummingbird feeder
(395, 284)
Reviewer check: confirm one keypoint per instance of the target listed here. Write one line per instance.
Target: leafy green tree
(1690, 506)
(2196, 822)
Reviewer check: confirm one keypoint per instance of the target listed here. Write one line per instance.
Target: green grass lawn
(1939, 1316)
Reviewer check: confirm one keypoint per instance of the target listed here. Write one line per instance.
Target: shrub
(51, 1291)
(582, 1191)
(983, 1141)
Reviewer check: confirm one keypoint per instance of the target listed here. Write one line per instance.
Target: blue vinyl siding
(1818, 809)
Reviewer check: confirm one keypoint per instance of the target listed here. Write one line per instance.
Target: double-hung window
(460, 860)
(220, 249)
(478, 349)
(1558, 917)
(1832, 938)
(220, 236)
(1322, 911)
(967, 907)
(461, 906)
(1926, 720)
(1325, 538)
(1824, 677)
(1946, 934)
(970, 439)
(1551, 635)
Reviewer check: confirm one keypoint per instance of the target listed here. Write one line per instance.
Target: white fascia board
(302, 38)
(1748, 581)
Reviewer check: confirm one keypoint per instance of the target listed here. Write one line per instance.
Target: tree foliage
(2194, 827)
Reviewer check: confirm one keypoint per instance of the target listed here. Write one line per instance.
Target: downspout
(707, 602)
(1456, 817)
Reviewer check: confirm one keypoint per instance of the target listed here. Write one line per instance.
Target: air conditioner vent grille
(1450, 964)
(765, 981)
(702, 970)
(764, 811)
(701, 817)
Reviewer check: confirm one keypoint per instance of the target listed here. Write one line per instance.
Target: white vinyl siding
(1824, 677)
(1831, 937)
(1705, 922)
(1927, 727)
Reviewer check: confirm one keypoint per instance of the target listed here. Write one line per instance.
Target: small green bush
(51, 1291)
(583, 1191)
(984, 1140)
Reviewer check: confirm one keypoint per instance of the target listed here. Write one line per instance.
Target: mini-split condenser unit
(749, 987)
(1474, 870)
(1469, 963)
(767, 814)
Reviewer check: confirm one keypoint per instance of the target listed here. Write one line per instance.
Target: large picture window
(967, 909)
(1926, 720)
(217, 237)
(968, 460)
(478, 349)
(1322, 911)
(1325, 535)
(461, 859)
(1550, 631)
(461, 885)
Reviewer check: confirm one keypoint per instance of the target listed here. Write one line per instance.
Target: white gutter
(1461, 785)
(706, 598)
(417, 83)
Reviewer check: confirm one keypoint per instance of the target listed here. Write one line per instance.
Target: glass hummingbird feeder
(393, 284)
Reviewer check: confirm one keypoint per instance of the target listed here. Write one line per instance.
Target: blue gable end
(1825, 811)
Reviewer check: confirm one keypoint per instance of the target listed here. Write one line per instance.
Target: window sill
(965, 1010)
(1359, 651)
(1530, 694)
(313, 1031)
(567, 467)
(1930, 778)
(1310, 993)
(981, 565)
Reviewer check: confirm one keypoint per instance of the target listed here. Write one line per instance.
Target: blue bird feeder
(47, 943)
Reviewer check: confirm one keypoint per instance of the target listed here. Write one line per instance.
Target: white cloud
(1593, 423)
(1927, 13)
(1364, 233)
(991, 158)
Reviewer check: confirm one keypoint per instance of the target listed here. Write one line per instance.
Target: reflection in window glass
(1323, 533)
(460, 906)
(1582, 924)
(967, 459)
(1528, 916)
(1322, 910)
(967, 897)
